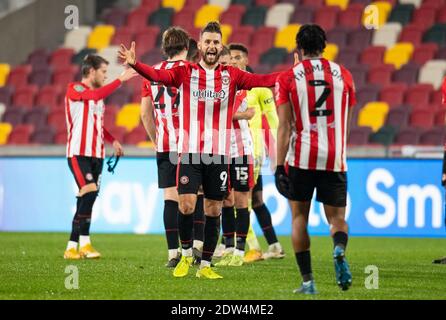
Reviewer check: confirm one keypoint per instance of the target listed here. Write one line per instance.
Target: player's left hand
(283, 183)
(128, 55)
(119, 151)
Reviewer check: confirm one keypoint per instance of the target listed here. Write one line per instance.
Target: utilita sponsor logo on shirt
(209, 94)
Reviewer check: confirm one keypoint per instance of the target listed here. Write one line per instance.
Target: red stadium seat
(116, 17)
(313, 3)
(303, 15)
(146, 39)
(118, 133)
(338, 36)
(373, 56)
(360, 38)
(195, 4)
(437, 97)
(436, 4)
(351, 17)
(421, 119)
(348, 57)
(424, 52)
(18, 77)
(233, 16)
(61, 58)
(398, 117)
(263, 38)
(381, 75)
(61, 137)
(407, 136)
(136, 136)
(411, 33)
(57, 120)
(137, 19)
(367, 94)
(242, 34)
(14, 116)
(150, 5)
(20, 134)
(359, 74)
(38, 57)
(407, 74)
(419, 95)
(439, 119)
(24, 97)
(184, 18)
(266, 3)
(433, 137)
(424, 16)
(122, 35)
(359, 136)
(63, 77)
(393, 94)
(48, 96)
(36, 117)
(441, 15)
(40, 77)
(110, 115)
(43, 136)
(327, 17)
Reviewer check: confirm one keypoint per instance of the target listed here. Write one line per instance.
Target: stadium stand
(397, 68)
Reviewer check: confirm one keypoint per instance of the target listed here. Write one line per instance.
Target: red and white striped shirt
(84, 110)
(320, 92)
(241, 140)
(165, 101)
(443, 90)
(206, 102)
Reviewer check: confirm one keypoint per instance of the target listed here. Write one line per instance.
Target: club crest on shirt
(184, 180)
(89, 177)
(79, 88)
(225, 80)
(194, 79)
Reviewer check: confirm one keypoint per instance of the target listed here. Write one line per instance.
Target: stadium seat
(279, 15)
(136, 136)
(303, 16)
(433, 137)
(348, 57)
(57, 120)
(40, 77)
(359, 136)
(338, 36)
(399, 54)
(373, 56)
(226, 31)
(359, 74)
(441, 53)
(128, 116)
(162, 18)
(255, 16)
(20, 134)
(373, 115)
(286, 37)
(177, 5)
(366, 94)
(343, 4)
(411, 33)
(242, 34)
(43, 136)
(150, 5)
(110, 115)
(439, 119)
(100, 37)
(63, 77)
(327, 17)
(407, 136)
(387, 35)
(385, 136)
(393, 94)
(433, 72)
(360, 38)
(137, 19)
(384, 8)
(152, 57)
(6, 94)
(118, 132)
(421, 119)
(313, 3)
(61, 137)
(424, 17)
(225, 4)
(115, 17)
(351, 17)
(436, 97)
(381, 75)
(233, 15)
(38, 57)
(146, 39)
(36, 117)
(120, 97)
(77, 39)
(48, 96)
(331, 52)
(398, 117)
(195, 4)
(441, 15)
(4, 72)
(274, 56)
(61, 57)
(14, 116)
(122, 35)
(5, 130)
(24, 97)
(401, 13)
(263, 39)
(407, 74)
(18, 77)
(419, 95)
(424, 52)
(207, 13)
(436, 34)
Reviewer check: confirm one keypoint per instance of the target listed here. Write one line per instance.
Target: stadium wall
(387, 197)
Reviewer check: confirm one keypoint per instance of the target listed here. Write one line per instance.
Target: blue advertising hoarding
(386, 197)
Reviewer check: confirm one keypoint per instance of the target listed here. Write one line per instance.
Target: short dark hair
(239, 47)
(225, 51)
(192, 53)
(311, 38)
(174, 40)
(92, 61)
(213, 27)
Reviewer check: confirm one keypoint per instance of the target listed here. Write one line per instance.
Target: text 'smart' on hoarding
(385, 198)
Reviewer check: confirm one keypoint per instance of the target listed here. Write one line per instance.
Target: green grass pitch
(132, 267)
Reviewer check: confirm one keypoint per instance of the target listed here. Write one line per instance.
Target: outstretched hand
(128, 55)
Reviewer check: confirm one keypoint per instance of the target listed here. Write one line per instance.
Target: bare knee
(241, 199)
(212, 208)
(187, 203)
(91, 187)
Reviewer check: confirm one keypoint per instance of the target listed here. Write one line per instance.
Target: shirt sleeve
(108, 136)
(348, 79)
(247, 81)
(146, 90)
(169, 77)
(282, 89)
(78, 92)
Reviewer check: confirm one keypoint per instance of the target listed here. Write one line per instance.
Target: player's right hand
(128, 55)
(127, 75)
(283, 183)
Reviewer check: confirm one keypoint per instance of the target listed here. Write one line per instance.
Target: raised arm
(247, 81)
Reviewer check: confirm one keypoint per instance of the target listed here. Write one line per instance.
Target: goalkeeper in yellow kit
(264, 128)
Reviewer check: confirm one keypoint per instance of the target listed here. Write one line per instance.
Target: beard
(210, 59)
